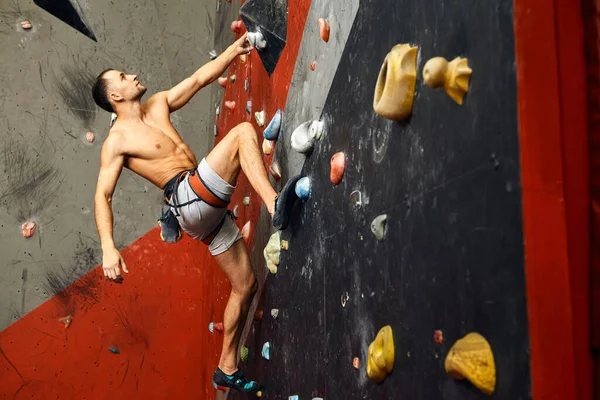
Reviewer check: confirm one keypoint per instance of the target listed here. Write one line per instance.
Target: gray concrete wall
(49, 170)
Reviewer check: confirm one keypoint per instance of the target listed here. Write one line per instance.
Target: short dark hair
(100, 92)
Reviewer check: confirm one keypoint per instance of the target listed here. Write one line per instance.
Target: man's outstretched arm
(179, 95)
(111, 165)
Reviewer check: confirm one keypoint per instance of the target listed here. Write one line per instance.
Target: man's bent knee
(247, 289)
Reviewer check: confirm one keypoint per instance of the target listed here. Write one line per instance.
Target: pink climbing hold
(218, 326)
(26, 24)
(438, 337)
(313, 65)
(356, 362)
(338, 164)
(324, 29)
(246, 231)
(28, 229)
(230, 105)
(89, 136)
(236, 26)
(223, 81)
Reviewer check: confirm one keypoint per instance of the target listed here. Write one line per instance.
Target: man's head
(113, 87)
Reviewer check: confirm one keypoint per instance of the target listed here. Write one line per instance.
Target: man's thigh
(235, 263)
(224, 158)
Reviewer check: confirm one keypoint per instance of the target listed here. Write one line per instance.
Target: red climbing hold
(313, 66)
(438, 337)
(218, 326)
(258, 315)
(28, 229)
(338, 164)
(89, 136)
(324, 29)
(230, 105)
(236, 26)
(223, 81)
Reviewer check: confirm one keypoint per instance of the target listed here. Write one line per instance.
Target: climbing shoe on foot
(284, 204)
(222, 381)
(170, 231)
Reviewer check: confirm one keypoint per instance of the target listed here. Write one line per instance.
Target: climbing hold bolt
(324, 29)
(114, 350)
(338, 164)
(381, 355)
(275, 170)
(356, 362)
(246, 200)
(313, 65)
(257, 40)
(395, 89)
(232, 79)
(285, 245)
(266, 351)
(471, 358)
(267, 146)
(246, 230)
(356, 198)
(236, 26)
(304, 136)
(230, 105)
(272, 252)
(438, 337)
(453, 76)
(378, 226)
(303, 188)
(235, 212)
(274, 313)
(28, 229)
(222, 81)
(66, 321)
(272, 130)
(249, 107)
(260, 118)
(215, 326)
(26, 25)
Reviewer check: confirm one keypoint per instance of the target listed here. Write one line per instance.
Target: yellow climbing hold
(395, 89)
(471, 358)
(272, 252)
(381, 355)
(453, 76)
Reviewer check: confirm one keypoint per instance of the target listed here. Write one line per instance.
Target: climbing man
(143, 140)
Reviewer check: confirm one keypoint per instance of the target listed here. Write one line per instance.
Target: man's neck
(130, 111)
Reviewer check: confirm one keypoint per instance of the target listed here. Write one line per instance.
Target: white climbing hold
(304, 136)
(274, 313)
(260, 118)
(257, 40)
(378, 226)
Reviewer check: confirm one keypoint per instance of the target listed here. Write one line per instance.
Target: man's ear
(116, 97)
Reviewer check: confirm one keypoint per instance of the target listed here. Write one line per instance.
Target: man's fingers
(124, 266)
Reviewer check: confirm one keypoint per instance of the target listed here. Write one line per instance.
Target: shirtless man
(143, 140)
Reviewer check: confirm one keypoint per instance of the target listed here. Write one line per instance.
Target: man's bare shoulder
(157, 103)
(114, 141)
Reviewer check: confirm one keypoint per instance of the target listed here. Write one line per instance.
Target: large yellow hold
(471, 358)
(381, 355)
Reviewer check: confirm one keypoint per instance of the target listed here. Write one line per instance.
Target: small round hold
(236, 26)
(356, 362)
(313, 66)
(89, 136)
(235, 212)
(266, 351)
(114, 350)
(230, 105)
(259, 393)
(284, 245)
(222, 81)
(338, 164)
(28, 229)
(378, 226)
(303, 188)
(246, 200)
(324, 29)
(232, 79)
(26, 25)
(438, 337)
(274, 313)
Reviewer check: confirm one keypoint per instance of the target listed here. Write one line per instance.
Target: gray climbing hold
(266, 351)
(378, 226)
(249, 107)
(304, 136)
(114, 350)
(274, 313)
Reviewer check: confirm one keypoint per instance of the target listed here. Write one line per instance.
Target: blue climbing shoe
(222, 381)
(284, 204)
(170, 231)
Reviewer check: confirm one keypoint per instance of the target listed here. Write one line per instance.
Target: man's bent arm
(111, 165)
(179, 95)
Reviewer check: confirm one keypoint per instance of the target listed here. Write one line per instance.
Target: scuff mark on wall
(74, 87)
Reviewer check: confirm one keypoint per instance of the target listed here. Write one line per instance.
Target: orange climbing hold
(28, 229)
(26, 24)
(236, 26)
(246, 231)
(230, 105)
(66, 320)
(338, 164)
(223, 81)
(324, 29)
(313, 65)
(356, 363)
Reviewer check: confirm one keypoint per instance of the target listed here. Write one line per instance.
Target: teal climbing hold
(266, 351)
(272, 130)
(303, 188)
(114, 350)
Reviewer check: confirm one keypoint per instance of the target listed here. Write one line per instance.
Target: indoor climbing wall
(423, 233)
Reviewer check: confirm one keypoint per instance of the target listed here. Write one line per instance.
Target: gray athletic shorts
(200, 219)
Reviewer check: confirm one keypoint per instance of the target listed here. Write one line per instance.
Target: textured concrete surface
(49, 169)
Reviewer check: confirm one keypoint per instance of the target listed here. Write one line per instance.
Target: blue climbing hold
(303, 188)
(211, 327)
(114, 350)
(272, 130)
(266, 351)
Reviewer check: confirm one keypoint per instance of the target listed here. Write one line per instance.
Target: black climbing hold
(69, 12)
(270, 18)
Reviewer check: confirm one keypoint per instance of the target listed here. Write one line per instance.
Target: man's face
(123, 87)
